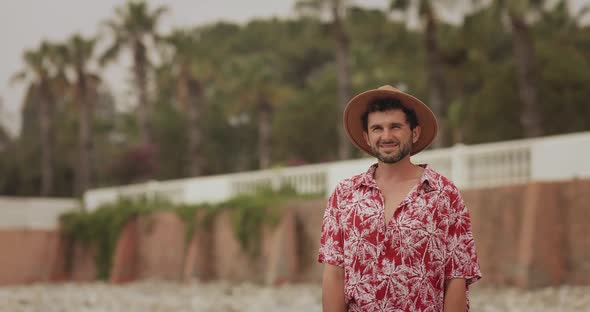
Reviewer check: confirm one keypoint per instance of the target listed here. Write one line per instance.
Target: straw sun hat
(358, 105)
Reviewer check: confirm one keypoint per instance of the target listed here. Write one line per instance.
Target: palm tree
(342, 54)
(438, 98)
(524, 55)
(76, 55)
(523, 46)
(560, 21)
(133, 27)
(260, 86)
(41, 77)
(189, 68)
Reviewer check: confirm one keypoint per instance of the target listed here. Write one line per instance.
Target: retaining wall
(530, 235)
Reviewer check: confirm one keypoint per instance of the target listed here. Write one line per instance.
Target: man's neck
(400, 171)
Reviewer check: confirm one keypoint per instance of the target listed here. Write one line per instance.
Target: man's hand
(455, 295)
(333, 289)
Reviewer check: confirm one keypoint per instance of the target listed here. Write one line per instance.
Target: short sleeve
(461, 260)
(331, 240)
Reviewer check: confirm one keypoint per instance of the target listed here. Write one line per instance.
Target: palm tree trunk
(84, 139)
(189, 94)
(46, 135)
(264, 135)
(438, 98)
(342, 53)
(143, 105)
(194, 127)
(522, 43)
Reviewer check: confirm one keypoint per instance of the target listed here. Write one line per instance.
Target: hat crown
(388, 88)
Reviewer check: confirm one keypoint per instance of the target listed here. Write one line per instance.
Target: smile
(388, 145)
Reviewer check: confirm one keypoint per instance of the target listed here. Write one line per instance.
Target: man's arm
(333, 289)
(455, 295)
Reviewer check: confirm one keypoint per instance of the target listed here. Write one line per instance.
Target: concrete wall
(125, 266)
(27, 256)
(528, 235)
(275, 262)
(33, 213)
(496, 216)
(154, 247)
(198, 264)
(575, 203)
(308, 218)
(533, 235)
(82, 264)
(161, 249)
(150, 247)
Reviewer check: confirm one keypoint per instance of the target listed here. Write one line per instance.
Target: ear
(416, 134)
(366, 136)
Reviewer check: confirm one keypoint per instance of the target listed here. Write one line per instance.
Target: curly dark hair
(386, 104)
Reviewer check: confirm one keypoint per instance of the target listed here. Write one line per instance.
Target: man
(397, 237)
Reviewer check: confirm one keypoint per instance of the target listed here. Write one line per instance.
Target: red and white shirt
(402, 265)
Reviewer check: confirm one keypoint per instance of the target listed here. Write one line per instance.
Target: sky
(25, 23)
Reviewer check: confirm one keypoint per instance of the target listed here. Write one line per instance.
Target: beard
(404, 149)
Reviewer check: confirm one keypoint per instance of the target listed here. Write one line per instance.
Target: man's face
(389, 135)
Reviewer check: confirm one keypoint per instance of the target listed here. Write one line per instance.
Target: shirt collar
(427, 180)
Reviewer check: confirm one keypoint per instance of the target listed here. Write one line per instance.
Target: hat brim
(358, 106)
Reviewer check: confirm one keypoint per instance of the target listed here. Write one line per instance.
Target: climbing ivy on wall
(249, 214)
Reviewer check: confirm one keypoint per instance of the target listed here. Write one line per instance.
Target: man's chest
(394, 196)
(418, 224)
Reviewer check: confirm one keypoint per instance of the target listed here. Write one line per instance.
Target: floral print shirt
(401, 265)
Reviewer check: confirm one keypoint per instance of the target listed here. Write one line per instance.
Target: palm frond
(110, 54)
(18, 77)
(399, 5)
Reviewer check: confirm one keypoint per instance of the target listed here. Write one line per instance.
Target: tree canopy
(224, 97)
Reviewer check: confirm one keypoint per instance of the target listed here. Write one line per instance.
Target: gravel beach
(157, 296)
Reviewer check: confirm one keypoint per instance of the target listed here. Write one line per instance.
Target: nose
(388, 133)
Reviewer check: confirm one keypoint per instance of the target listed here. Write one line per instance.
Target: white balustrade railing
(498, 164)
(304, 179)
(474, 166)
(34, 213)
